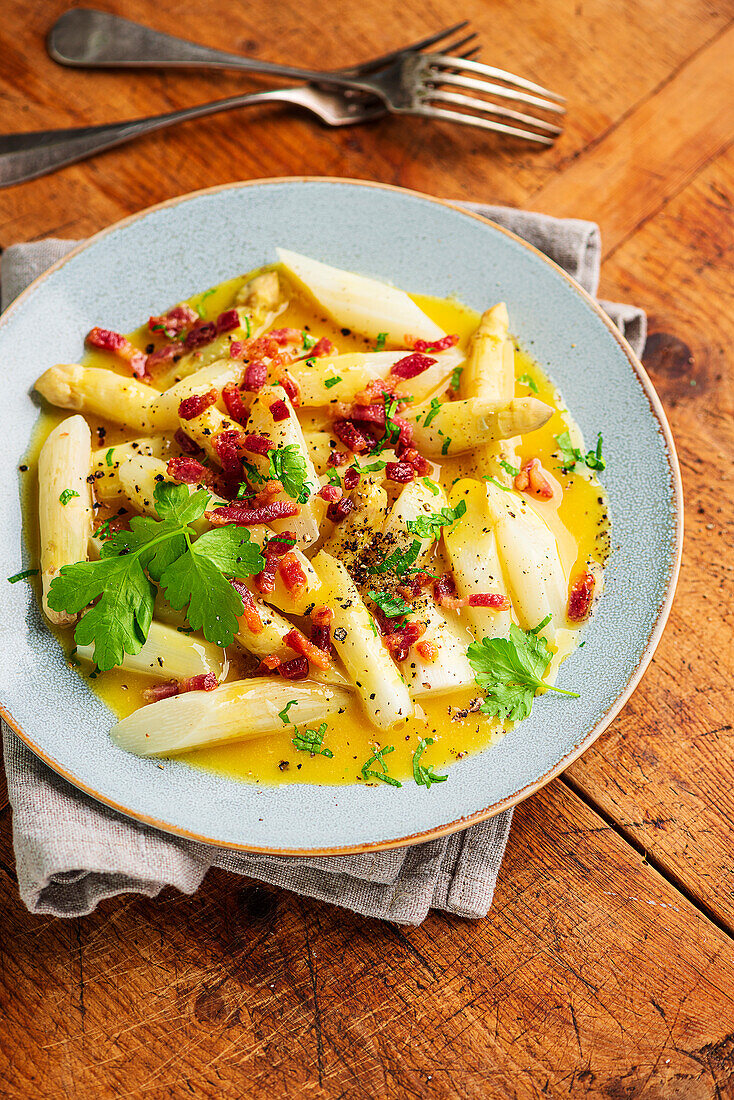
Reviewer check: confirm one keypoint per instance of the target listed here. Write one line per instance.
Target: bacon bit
(402, 472)
(297, 669)
(256, 374)
(162, 355)
(258, 444)
(299, 643)
(490, 599)
(398, 642)
(234, 404)
(420, 464)
(411, 365)
(532, 479)
(340, 509)
(406, 433)
(119, 346)
(244, 516)
(293, 575)
(227, 445)
(283, 336)
(444, 589)
(581, 597)
(250, 613)
(338, 458)
(437, 345)
(322, 347)
(272, 552)
(321, 620)
(375, 392)
(351, 435)
(201, 335)
(186, 443)
(187, 471)
(371, 414)
(177, 320)
(203, 682)
(331, 493)
(414, 585)
(279, 411)
(271, 663)
(289, 384)
(237, 349)
(427, 650)
(227, 321)
(195, 405)
(351, 478)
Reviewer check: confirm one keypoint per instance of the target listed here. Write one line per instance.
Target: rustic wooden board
(597, 973)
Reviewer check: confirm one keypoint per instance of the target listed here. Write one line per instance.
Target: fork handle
(26, 156)
(84, 38)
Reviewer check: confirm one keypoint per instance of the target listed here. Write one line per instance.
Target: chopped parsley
(67, 495)
(373, 467)
(381, 338)
(158, 553)
(446, 445)
(108, 456)
(253, 476)
(431, 486)
(511, 470)
(399, 562)
(424, 774)
(432, 411)
(312, 741)
(497, 483)
(309, 341)
(529, 382)
(198, 305)
(392, 607)
(310, 362)
(329, 382)
(283, 714)
(378, 758)
(572, 457)
(456, 379)
(429, 527)
(248, 328)
(22, 576)
(288, 466)
(510, 671)
(333, 477)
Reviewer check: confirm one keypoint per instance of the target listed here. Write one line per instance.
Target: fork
(26, 156)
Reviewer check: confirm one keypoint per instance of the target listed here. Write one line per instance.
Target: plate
(423, 245)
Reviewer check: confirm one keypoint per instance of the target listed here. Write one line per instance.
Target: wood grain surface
(606, 966)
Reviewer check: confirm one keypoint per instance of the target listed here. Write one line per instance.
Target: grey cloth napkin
(71, 852)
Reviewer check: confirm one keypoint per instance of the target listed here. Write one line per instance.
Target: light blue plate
(147, 262)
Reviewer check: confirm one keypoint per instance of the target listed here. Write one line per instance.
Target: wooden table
(606, 967)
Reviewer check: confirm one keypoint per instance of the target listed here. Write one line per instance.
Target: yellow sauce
(351, 738)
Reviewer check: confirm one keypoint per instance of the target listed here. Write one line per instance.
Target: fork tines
(442, 70)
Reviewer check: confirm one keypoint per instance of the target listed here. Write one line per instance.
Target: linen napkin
(71, 852)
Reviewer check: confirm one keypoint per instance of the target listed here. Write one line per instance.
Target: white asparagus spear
(368, 665)
(447, 669)
(139, 477)
(64, 504)
(163, 412)
(350, 537)
(236, 711)
(101, 392)
(342, 377)
(205, 428)
(169, 654)
(489, 373)
(106, 462)
(459, 426)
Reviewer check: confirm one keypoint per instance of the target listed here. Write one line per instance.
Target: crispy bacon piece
(296, 669)
(256, 375)
(258, 444)
(321, 620)
(272, 552)
(119, 346)
(279, 411)
(271, 663)
(399, 641)
(196, 404)
(187, 471)
(227, 445)
(289, 384)
(322, 347)
(293, 576)
(177, 320)
(351, 478)
(331, 493)
(532, 479)
(411, 365)
(244, 516)
(444, 591)
(581, 597)
(427, 650)
(351, 435)
(201, 335)
(203, 682)
(413, 586)
(234, 404)
(370, 414)
(227, 321)
(340, 509)
(338, 458)
(162, 355)
(283, 336)
(420, 464)
(402, 472)
(186, 443)
(299, 643)
(237, 349)
(489, 599)
(250, 613)
(436, 345)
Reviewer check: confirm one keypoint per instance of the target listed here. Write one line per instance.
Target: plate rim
(654, 637)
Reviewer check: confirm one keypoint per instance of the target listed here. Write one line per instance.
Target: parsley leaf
(373, 467)
(309, 341)
(400, 561)
(510, 671)
(392, 430)
(381, 338)
(23, 575)
(456, 379)
(283, 714)
(446, 445)
(333, 477)
(429, 527)
(288, 466)
(510, 469)
(392, 607)
(432, 411)
(529, 382)
(198, 304)
(329, 382)
(424, 774)
(571, 456)
(431, 486)
(213, 604)
(312, 741)
(67, 495)
(108, 456)
(377, 757)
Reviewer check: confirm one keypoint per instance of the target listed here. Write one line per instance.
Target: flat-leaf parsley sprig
(162, 552)
(571, 456)
(510, 671)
